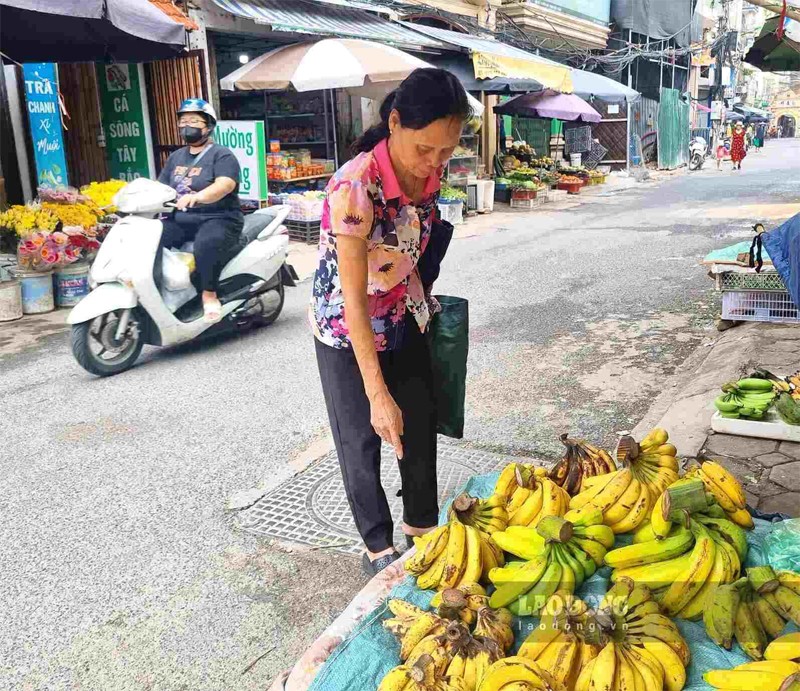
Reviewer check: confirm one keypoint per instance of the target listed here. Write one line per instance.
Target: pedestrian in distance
(370, 311)
(720, 150)
(738, 151)
(206, 178)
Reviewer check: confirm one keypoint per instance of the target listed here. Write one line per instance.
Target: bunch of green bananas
(748, 398)
(456, 653)
(561, 641)
(754, 610)
(644, 650)
(726, 489)
(519, 674)
(788, 407)
(558, 555)
(768, 675)
(451, 555)
(626, 496)
(581, 460)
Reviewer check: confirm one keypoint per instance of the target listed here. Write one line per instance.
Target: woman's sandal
(372, 568)
(212, 311)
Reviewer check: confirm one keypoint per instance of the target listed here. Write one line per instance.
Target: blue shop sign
(44, 114)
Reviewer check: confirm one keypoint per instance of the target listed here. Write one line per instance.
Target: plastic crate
(760, 306)
(526, 203)
(570, 187)
(303, 231)
(557, 195)
(769, 281)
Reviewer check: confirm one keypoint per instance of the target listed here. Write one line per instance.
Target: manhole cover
(311, 508)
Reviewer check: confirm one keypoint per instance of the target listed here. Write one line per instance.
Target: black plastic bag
(449, 345)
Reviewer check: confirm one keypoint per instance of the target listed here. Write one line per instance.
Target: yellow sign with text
(488, 66)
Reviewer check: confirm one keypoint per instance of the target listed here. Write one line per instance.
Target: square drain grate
(311, 508)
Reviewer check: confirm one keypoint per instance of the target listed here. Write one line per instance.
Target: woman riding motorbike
(206, 178)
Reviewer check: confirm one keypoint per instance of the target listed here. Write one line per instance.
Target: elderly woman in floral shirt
(369, 309)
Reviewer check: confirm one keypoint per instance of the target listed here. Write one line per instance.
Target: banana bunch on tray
(460, 657)
(581, 460)
(725, 488)
(451, 555)
(645, 649)
(530, 495)
(755, 610)
(558, 555)
(626, 496)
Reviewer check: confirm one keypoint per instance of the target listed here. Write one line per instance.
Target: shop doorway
(169, 83)
(788, 126)
(86, 158)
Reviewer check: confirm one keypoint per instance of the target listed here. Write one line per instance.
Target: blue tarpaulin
(783, 245)
(362, 660)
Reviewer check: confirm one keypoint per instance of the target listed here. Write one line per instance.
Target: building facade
(582, 24)
(785, 108)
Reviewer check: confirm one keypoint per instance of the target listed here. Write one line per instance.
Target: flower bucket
(10, 301)
(72, 284)
(37, 290)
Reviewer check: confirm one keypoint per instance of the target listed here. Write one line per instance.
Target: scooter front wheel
(696, 162)
(98, 350)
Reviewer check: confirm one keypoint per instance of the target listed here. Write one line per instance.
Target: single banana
(746, 680)
(416, 632)
(432, 578)
(636, 515)
(396, 679)
(726, 481)
(742, 518)
(623, 506)
(605, 666)
(454, 555)
(790, 579)
(625, 679)
(526, 577)
(473, 568)
(786, 647)
(771, 620)
(511, 670)
(599, 533)
(749, 633)
(526, 514)
(611, 493)
(541, 637)
(518, 498)
(789, 602)
(593, 491)
(693, 610)
(536, 597)
(691, 581)
(671, 663)
(585, 676)
(650, 552)
(594, 549)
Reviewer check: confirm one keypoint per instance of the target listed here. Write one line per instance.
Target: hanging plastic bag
(449, 339)
(176, 269)
(782, 545)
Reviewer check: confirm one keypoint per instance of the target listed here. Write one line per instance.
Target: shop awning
(493, 59)
(772, 54)
(322, 19)
(87, 31)
(461, 66)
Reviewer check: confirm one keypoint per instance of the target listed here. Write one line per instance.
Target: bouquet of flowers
(102, 194)
(21, 220)
(42, 250)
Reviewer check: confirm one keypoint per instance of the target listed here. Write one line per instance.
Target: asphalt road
(119, 566)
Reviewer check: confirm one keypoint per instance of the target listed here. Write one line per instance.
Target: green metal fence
(673, 130)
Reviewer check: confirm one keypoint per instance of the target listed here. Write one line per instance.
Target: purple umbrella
(549, 104)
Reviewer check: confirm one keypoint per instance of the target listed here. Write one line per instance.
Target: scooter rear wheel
(272, 305)
(96, 349)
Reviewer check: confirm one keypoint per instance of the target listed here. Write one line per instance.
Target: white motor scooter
(134, 302)
(698, 150)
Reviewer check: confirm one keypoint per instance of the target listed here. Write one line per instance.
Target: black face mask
(192, 135)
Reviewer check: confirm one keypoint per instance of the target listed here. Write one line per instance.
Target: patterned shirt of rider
(364, 199)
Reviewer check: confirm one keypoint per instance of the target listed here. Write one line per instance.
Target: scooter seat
(255, 223)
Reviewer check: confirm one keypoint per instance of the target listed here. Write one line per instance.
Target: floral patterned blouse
(364, 199)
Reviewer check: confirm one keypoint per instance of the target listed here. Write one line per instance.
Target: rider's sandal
(212, 311)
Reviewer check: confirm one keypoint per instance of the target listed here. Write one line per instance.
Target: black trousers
(213, 235)
(407, 372)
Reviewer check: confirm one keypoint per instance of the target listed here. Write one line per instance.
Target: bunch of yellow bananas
(519, 674)
(683, 569)
(645, 648)
(456, 652)
(487, 515)
(559, 554)
(461, 603)
(626, 496)
(768, 675)
(451, 555)
(560, 643)
(422, 675)
(754, 610)
(726, 490)
(530, 494)
(581, 460)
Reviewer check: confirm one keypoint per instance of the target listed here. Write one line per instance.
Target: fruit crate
(570, 187)
(523, 195)
(760, 306)
(767, 281)
(526, 203)
(303, 231)
(557, 195)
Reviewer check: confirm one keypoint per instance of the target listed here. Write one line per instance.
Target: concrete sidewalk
(769, 470)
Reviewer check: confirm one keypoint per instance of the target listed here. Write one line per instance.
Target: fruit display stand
(356, 651)
(770, 427)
